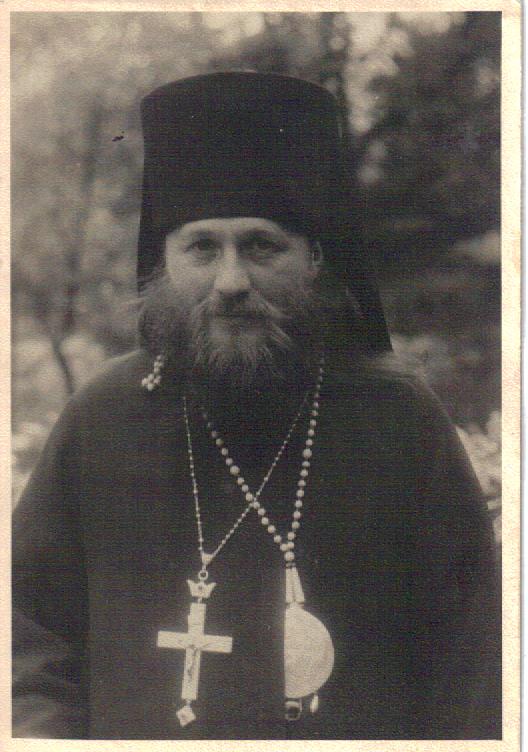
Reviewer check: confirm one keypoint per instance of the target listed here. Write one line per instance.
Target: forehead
(230, 225)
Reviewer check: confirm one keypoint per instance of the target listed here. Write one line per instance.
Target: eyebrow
(192, 234)
(261, 231)
(244, 235)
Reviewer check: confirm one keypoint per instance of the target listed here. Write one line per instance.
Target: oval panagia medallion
(308, 652)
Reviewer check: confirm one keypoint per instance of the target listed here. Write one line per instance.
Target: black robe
(395, 552)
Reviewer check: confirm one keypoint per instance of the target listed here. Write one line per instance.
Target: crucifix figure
(194, 642)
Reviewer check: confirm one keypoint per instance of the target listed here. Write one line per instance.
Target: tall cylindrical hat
(257, 145)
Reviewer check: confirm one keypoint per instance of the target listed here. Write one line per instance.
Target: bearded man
(251, 527)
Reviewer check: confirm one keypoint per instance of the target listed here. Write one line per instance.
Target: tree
(77, 155)
(436, 142)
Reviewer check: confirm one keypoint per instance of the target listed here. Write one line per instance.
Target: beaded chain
(286, 546)
(153, 380)
(250, 498)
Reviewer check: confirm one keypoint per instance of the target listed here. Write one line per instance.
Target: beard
(262, 341)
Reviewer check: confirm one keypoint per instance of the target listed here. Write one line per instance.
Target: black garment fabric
(395, 552)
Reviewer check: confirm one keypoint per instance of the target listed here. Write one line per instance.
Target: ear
(317, 256)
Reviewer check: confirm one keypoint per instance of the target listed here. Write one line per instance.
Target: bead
(286, 545)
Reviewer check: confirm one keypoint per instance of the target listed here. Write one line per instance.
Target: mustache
(173, 321)
(243, 355)
(254, 306)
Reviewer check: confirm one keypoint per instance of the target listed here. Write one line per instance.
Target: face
(243, 281)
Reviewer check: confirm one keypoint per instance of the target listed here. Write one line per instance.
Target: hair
(169, 324)
(326, 314)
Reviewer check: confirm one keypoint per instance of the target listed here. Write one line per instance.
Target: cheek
(280, 281)
(191, 282)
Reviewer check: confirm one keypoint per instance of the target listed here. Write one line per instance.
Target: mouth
(238, 321)
(239, 316)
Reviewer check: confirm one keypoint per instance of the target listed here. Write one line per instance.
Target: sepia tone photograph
(256, 375)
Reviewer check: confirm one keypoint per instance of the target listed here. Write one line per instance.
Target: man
(250, 527)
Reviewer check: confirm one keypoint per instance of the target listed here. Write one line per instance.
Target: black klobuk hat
(233, 144)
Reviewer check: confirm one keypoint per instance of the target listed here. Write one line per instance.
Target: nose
(232, 280)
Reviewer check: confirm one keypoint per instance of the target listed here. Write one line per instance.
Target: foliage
(435, 142)
(39, 392)
(484, 450)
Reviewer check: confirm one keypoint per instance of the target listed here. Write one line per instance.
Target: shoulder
(116, 389)
(393, 386)
(113, 377)
(117, 375)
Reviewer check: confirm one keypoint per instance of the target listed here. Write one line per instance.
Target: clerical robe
(395, 553)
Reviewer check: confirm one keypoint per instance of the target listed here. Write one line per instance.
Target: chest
(141, 543)
(140, 500)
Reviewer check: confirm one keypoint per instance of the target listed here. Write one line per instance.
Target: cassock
(395, 553)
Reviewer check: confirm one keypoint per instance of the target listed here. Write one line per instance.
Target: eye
(262, 246)
(203, 244)
(203, 249)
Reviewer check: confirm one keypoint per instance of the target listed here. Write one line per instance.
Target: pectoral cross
(194, 642)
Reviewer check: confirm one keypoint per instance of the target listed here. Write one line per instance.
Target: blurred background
(421, 92)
